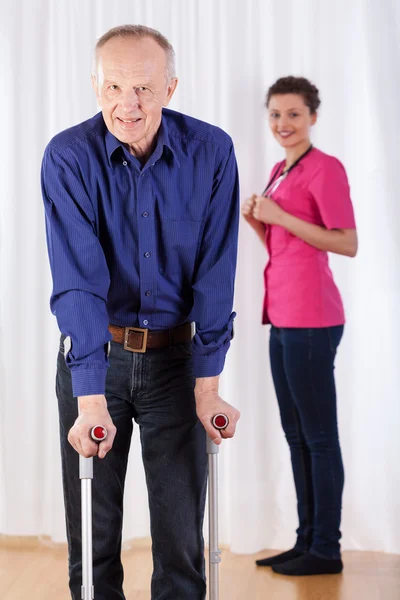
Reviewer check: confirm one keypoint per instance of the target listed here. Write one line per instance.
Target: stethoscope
(273, 183)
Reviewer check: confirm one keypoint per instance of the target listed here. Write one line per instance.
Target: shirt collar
(163, 141)
(111, 145)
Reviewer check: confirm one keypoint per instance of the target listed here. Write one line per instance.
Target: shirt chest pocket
(177, 246)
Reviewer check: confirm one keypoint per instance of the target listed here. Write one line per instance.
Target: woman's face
(290, 119)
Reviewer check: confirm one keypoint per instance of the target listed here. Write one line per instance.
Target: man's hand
(209, 404)
(92, 411)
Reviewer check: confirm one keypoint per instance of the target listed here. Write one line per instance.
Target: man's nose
(130, 100)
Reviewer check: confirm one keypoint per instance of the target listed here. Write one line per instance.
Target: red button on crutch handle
(220, 421)
(98, 433)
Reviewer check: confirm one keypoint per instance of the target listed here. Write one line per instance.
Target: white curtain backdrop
(228, 53)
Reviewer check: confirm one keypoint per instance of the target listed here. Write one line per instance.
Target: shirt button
(147, 254)
(145, 322)
(125, 163)
(148, 293)
(145, 214)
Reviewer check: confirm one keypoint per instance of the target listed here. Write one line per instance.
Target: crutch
(98, 434)
(219, 421)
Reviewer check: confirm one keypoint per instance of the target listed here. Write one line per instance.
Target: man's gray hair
(137, 31)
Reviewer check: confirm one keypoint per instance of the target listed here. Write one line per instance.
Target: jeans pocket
(185, 349)
(334, 336)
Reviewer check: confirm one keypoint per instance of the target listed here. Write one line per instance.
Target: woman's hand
(247, 213)
(247, 210)
(260, 212)
(267, 211)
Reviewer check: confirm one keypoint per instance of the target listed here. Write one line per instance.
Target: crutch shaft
(214, 551)
(86, 476)
(98, 434)
(219, 421)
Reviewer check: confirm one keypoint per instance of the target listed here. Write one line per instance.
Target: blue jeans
(302, 363)
(156, 390)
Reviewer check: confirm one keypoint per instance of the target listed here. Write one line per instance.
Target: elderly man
(142, 212)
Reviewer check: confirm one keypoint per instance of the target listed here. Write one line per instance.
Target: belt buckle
(143, 343)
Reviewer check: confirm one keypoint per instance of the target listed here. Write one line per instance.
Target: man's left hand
(209, 404)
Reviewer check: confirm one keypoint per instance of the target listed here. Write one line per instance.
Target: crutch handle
(220, 421)
(98, 433)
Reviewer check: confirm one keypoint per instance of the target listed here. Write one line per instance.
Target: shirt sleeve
(213, 288)
(331, 192)
(79, 270)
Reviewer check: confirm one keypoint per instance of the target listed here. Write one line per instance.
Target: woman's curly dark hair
(296, 85)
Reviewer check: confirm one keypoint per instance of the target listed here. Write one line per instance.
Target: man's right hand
(92, 411)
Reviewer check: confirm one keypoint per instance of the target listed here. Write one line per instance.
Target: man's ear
(170, 90)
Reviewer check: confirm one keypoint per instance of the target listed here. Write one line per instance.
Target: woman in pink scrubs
(304, 213)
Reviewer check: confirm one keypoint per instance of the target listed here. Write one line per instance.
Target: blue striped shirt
(150, 246)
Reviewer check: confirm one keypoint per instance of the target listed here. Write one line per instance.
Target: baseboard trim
(43, 542)
(37, 542)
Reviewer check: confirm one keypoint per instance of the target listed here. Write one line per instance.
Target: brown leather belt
(136, 339)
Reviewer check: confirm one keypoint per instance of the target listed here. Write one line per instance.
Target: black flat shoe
(309, 564)
(279, 558)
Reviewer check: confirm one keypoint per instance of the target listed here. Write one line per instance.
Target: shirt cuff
(210, 365)
(88, 382)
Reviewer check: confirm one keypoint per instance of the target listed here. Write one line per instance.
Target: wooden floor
(39, 573)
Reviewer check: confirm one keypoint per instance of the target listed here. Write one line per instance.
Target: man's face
(131, 87)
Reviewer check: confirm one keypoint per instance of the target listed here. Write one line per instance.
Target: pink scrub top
(299, 286)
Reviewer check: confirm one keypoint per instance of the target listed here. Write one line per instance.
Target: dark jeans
(302, 362)
(156, 390)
